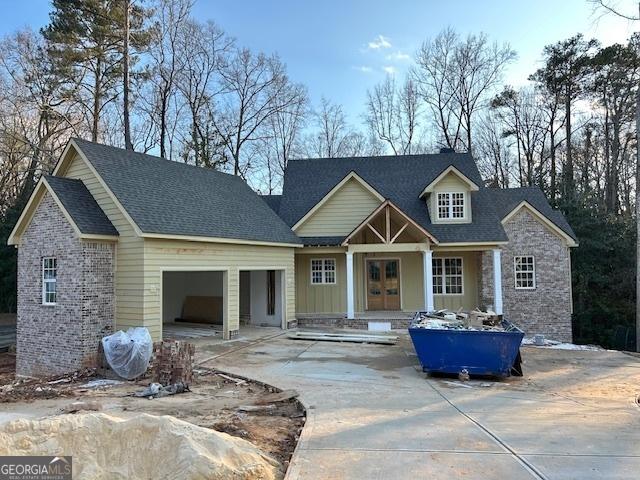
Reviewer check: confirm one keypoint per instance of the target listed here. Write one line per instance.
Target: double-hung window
(450, 205)
(447, 276)
(49, 278)
(524, 271)
(323, 271)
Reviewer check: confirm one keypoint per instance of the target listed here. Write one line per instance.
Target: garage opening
(262, 298)
(193, 303)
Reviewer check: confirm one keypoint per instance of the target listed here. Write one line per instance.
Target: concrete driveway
(373, 414)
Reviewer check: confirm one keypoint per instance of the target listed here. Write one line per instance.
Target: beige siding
(175, 255)
(320, 298)
(470, 279)
(325, 299)
(129, 252)
(450, 183)
(342, 212)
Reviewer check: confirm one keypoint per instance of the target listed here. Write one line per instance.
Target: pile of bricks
(173, 362)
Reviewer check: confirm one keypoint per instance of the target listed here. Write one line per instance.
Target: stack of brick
(173, 362)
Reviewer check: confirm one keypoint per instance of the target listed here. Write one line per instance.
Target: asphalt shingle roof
(172, 198)
(402, 179)
(273, 201)
(81, 206)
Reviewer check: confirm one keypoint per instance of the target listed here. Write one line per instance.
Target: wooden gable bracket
(388, 238)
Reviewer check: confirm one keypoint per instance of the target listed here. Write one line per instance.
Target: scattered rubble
(156, 390)
(552, 344)
(460, 320)
(29, 389)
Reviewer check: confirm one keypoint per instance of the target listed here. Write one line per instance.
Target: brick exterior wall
(546, 309)
(64, 337)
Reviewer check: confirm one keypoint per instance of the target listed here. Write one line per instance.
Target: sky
(339, 49)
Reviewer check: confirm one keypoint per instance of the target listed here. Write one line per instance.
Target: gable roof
(400, 179)
(507, 199)
(163, 197)
(81, 206)
(453, 170)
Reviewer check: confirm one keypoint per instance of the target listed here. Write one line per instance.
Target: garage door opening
(193, 303)
(262, 298)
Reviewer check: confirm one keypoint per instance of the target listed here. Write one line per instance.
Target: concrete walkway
(373, 414)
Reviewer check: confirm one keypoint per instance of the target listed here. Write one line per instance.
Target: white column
(427, 272)
(497, 281)
(350, 308)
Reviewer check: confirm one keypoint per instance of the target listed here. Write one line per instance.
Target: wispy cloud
(380, 42)
(363, 69)
(390, 70)
(398, 56)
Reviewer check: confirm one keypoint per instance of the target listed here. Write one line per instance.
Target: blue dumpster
(479, 352)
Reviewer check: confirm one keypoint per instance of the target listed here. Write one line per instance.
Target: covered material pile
(142, 447)
(460, 320)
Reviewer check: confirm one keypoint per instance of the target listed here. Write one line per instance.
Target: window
(323, 271)
(49, 275)
(450, 205)
(447, 276)
(524, 270)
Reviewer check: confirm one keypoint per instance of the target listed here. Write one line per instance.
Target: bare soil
(223, 402)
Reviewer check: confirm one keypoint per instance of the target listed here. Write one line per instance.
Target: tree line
(147, 76)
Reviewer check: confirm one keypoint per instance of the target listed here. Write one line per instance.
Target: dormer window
(450, 205)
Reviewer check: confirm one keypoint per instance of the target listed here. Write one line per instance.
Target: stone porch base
(398, 320)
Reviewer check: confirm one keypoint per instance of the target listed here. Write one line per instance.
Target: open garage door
(262, 297)
(193, 300)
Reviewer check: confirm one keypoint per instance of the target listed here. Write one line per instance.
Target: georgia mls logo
(35, 468)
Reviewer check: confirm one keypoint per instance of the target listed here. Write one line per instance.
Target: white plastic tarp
(128, 353)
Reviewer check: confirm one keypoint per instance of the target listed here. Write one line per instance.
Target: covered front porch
(389, 267)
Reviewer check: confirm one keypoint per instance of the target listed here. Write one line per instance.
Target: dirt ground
(270, 420)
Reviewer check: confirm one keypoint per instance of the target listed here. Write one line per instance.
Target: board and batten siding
(341, 213)
(470, 280)
(129, 279)
(320, 298)
(180, 255)
(332, 299)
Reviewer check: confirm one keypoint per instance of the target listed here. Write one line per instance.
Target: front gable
(450, 181)
(524, 210)
(341, 210)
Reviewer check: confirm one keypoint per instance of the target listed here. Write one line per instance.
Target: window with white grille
(524, 270)
(450, 205)
(447, 276)
(323, 271)
(49, 280)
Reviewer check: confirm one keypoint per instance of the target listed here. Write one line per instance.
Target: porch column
(427, 272)
(350, 295)
(497, 281)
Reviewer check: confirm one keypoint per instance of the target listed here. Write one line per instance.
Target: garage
(262, 298)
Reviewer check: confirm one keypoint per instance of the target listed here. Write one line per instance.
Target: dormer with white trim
(448, 197)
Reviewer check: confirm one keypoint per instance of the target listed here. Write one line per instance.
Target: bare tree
(392, 114)
(256, 88)
(495, 159)
(457, 77)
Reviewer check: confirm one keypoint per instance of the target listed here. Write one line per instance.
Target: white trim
(444, 277)
(427, 275)
(497, 280)
(515, 272)
(544, 220)
(193, 238)
(13, 240)
(323, 200)
(450, 206)
(350, 286)
(450, 169)
(323, 271)
(46, 281)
